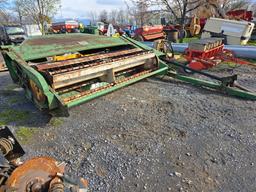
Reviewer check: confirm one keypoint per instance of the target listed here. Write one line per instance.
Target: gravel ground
(151, 136)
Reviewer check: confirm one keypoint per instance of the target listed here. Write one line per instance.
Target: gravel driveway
(152, 136)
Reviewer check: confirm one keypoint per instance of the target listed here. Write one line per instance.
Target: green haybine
(62, 71)
(67, 70)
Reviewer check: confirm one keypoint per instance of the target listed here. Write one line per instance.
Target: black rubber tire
(182, 33)
(187, 70)
(138, 38)
(188, 34)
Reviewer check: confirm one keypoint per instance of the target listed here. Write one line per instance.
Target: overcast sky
(81, 8)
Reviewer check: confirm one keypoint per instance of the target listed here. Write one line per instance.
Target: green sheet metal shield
(49, 45)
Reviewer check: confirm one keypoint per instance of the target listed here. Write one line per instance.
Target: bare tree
(93, 16)
(129, 19)
(113, 16)
(218, 8)
(140, 10)
(103, 17)
(4, 15)
(228, 5)
(180, 8)
(121, 17)
(40, 11)
(18, 9)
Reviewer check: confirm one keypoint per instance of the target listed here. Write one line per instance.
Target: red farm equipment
(241, 14)
(207, 53)
(148, 33)
(68, 26)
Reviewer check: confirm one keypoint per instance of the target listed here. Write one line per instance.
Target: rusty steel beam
(57, 64)
(89, 92)
(76, 76)
(93, 63)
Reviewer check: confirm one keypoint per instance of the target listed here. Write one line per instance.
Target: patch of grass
(11, 87)
(252, 61)
(6, 93)
(10, 115)
(13, 100)
(16, 99)
(224, 66)
(24, 134)
(56, 122)
(189, 39)
(252, 43)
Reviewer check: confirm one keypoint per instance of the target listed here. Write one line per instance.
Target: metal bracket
(17, 151)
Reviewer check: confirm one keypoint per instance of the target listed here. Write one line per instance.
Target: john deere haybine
(61, 71)
(66, 70)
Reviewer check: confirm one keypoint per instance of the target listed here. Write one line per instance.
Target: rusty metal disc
(34, 175)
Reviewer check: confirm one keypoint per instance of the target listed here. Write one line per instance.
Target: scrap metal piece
(39, 174)
(42, 174)
(34, 175)
(56, 185)
(9, 146)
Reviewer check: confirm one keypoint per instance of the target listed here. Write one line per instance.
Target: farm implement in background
(185, 71)
(207, 53)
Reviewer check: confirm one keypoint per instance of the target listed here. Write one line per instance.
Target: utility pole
(61, 11)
